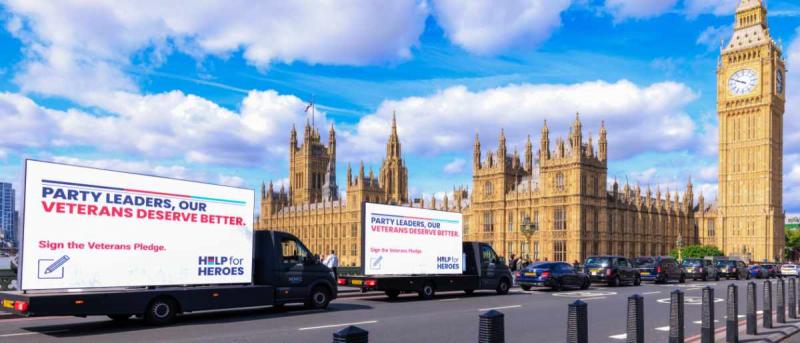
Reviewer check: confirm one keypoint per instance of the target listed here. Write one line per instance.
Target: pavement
(536, 316)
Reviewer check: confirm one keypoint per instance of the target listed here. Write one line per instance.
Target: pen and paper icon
(376, 262)
(52, 269)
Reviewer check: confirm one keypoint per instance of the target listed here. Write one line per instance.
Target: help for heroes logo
(219, 265)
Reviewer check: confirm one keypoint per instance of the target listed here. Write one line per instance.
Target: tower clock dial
(779, 81)
(742, 82)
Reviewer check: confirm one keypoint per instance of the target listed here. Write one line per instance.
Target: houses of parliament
(556, 203)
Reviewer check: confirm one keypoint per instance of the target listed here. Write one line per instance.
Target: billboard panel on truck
(401, 240)
(86, 227)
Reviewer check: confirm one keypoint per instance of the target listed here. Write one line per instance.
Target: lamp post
(679, 244)
(528, 229)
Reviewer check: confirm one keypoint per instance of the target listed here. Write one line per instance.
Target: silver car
(789, 270)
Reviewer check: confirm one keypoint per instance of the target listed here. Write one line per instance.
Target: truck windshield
(598, 261)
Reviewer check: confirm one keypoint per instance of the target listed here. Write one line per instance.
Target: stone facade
(556, 204)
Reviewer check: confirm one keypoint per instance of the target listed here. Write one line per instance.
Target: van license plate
(8, 303)
(355, 282)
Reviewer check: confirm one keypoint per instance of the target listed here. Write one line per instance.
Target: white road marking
(592, 298)
(646, 293)
(620, 336)
(499, 308)
(450, 299)
(701, 322)
(336, 325)
(662, 328)
(31, 333)
(760, 312)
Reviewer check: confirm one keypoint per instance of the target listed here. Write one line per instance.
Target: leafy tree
(697, 251)
(792, 237)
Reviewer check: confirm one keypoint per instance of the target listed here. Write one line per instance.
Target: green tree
(792, 237)
(697, 251)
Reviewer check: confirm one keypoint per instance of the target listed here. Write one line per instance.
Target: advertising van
(407, 249)
(100, 242)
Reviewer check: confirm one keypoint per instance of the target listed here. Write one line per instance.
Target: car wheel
(525, 287)
(637, 281)
(503, 286)
(614, 282)
(716, 277)
(392, 294)
(161, 311)
(682, 279)
(319, 298)
(705, 277)
(427, 291)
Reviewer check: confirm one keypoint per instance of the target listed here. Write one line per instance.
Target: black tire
(427, 291)
(161, 311)
(739, 276)
(614, 282)
(716, 277)
(525, 287)
(586, 284)
(682, 279)
(319, 298)
(119, 317)
(503, 286)
(705, 277)
(469, 291)
(637, 281)
(392, 294)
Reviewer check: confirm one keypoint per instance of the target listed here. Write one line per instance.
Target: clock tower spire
(750, 106)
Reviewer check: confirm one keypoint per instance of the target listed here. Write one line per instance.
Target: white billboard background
(404, 240)
(46, 235)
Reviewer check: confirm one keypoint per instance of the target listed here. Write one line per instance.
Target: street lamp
(679, 244)
(528, 229)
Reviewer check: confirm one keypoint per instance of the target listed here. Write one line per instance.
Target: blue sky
(210, 92)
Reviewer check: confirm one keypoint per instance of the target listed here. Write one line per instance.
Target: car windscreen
(643, 262)
(692, 263)
(598, 262)
(726, 263)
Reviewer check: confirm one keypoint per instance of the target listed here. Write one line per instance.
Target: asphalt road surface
(535, 316)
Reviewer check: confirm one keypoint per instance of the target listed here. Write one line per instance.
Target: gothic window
(510, 248)
(510, 222)
(559, 181)
(487, 188)
(535, 219)
(487, 221)
(559, 219)
(559, 250)
(353, 230)
(535, 250)
(353, 250)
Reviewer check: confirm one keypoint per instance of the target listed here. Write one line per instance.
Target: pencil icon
(57, 264)
(376, 262)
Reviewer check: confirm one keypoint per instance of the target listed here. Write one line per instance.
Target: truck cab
(481, 260)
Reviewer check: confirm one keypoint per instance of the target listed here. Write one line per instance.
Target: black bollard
(732, 322)
(767, 305)
(752, 304)
(351, 334)
(676, 316)
(792, 305)
(635, 330)
(577, 323)
(491, 328)
(780, 302)
(707, 325)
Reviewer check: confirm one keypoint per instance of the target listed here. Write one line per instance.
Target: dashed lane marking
(499, 307)
(646, 293)
(336, 325)
(662, 328)
(31, 333)
(619, 337)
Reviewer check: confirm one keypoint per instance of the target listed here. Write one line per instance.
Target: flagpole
(313, 111)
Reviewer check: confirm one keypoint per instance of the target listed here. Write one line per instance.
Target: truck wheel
(319, 298)
(427, 291)
(469, 291)
(161, 311)
(119, 317)
(503, 286)
(393, 294)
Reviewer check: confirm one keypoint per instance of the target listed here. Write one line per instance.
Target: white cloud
(139, 167)
(638, 119)
(638, 9)
(166, 125)
(456, 166)
(487, 27)
(693, 8)
(231, 180)
(78, 47)
(712, 36)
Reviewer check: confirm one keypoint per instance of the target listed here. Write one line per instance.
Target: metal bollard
(752, 303)
(351, 334)
(732, 322)
(491, 328)
(792, 305)
(780, 302)
(707, 326)
(635, 330)
(767, 305)
(676, 316)
(577, 323)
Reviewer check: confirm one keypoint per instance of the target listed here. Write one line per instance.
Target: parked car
(790, 269)
(757, 272)
(700, 268)
(556, 275)
(772, 270)
(659, 269)
(613, 270)
(733, 269)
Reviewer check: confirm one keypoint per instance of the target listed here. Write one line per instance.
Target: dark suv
(700, 268)
(732, 269)
(659, 269)
(613, 270)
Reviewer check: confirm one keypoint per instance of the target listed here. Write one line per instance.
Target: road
(538, 315)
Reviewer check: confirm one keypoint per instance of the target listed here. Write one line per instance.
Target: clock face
(779, 81)
(742, 82)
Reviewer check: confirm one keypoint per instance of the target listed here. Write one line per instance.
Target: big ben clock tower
(751, 80)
